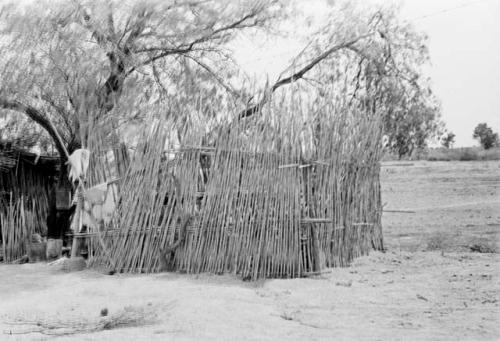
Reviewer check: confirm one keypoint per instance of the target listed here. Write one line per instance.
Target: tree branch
(39, 118)
(116, 57)
(60, 110)
(188, 47)
(216, 77)
(299, 74)
(110, 90)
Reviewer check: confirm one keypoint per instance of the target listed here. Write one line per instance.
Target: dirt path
(403, 294)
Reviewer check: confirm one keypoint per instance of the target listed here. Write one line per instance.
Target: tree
(82, 61)
(448, 139)
(80, 68)
(380, 72)
(410, 122)
(88, 64)
(487, 138)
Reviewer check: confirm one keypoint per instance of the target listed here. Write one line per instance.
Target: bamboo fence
(277, 197)
(17, 226)
(24, 205)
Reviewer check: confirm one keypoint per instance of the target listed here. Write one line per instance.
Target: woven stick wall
(17, 224)
(24, 205)
(152, 205)
(284, 197)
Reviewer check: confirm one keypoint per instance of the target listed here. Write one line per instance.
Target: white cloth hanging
(78, 163)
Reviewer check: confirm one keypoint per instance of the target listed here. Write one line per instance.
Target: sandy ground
(458, 202)
(406, 293)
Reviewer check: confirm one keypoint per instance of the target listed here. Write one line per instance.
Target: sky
(464, 47)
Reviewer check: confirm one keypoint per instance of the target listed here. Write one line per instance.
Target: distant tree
(448, 139)
(487, 138)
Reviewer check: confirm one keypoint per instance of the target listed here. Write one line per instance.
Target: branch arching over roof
(39, 118)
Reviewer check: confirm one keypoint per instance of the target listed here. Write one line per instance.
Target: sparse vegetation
(462, 154)
(451, 154)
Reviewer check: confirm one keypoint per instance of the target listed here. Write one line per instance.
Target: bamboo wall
(284, 198)
(24, 205)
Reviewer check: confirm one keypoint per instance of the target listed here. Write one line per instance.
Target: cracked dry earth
(406, 293)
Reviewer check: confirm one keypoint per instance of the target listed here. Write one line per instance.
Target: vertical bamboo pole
(75, 248)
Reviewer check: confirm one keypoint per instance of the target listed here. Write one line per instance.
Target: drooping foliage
(74, 66)
(71, 65)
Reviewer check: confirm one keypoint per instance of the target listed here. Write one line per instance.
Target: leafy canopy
(76, 66)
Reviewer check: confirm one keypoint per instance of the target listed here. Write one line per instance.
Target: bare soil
(458, 202)
(428, 285)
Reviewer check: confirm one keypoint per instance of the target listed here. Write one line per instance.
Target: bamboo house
(266, 198)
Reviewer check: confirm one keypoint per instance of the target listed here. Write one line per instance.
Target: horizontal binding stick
(328, 220)
(316, 220)
(289, 166)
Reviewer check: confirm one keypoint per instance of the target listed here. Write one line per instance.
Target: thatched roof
(11, 156)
